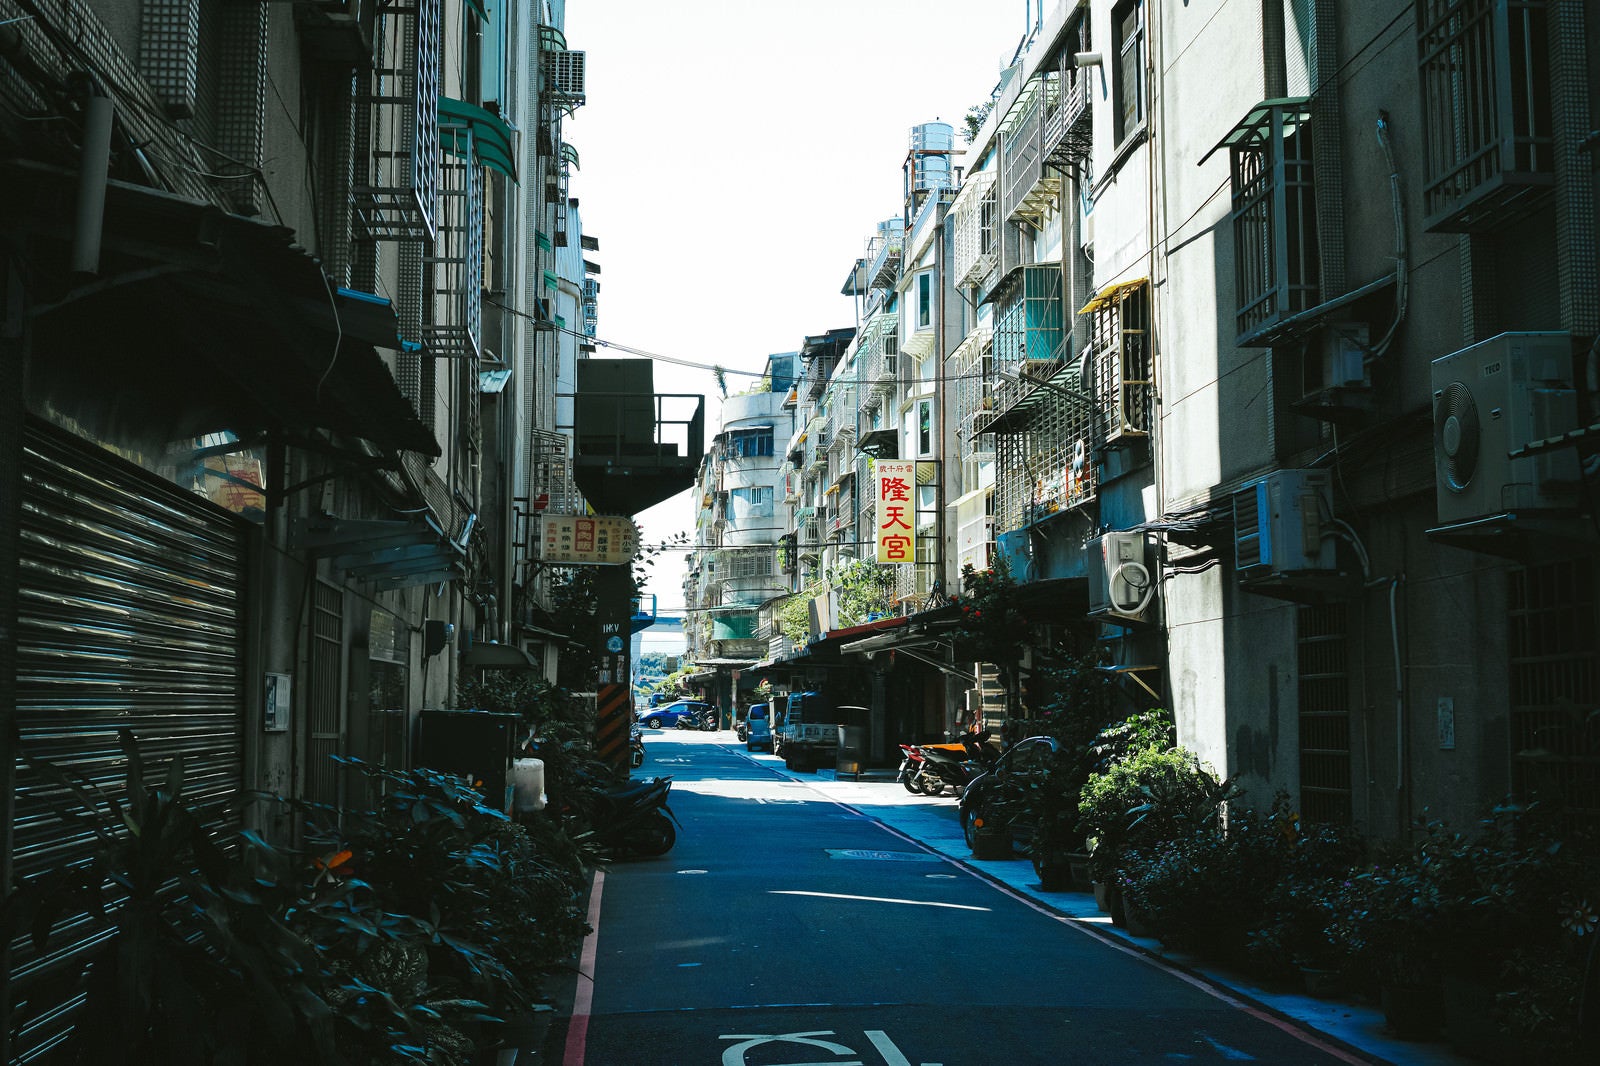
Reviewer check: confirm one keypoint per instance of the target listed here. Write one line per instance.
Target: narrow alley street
(789, 928)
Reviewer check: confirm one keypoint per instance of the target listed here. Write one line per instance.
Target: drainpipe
(1399, 700)
(94, 166)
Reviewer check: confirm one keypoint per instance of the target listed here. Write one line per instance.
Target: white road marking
(891, 1054)
(1229, 1053)
(878, 899)
(734, 1055)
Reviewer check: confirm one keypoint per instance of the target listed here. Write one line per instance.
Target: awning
(204, 322)
(1110, 293)
(493, 139)
(497, 657)
(1256, 124)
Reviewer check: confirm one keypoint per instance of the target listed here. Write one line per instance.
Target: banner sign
(593, 540)
(895, 482)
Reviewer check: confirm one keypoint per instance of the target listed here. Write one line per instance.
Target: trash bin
(852, 750)
(527, 785)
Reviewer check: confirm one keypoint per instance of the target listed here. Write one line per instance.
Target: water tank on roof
(933, 137)
(930, 163)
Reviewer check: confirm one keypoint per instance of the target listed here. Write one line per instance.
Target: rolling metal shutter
(129, 616)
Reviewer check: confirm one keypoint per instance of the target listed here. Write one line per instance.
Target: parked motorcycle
(707, 719)
(955, 765)
(910, 766)
(632, 820)
(635, 746)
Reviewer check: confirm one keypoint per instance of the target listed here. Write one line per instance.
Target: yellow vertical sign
(895, 482)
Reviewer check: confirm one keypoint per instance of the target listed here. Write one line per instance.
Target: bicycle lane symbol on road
(734, 1055)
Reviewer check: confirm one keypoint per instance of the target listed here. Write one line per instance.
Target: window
(750, 443)
(924, 300)
(1277, 264)
(1322, 658)
(752, 502)
(1128, 80)
(925, 428)
(1487, 111)
(1121, 360)
(1554, 629)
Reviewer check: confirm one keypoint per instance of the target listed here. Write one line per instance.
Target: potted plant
(1151, 795)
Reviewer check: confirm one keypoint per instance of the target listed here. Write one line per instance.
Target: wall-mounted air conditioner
(1494, 398)
(1336, 359)
(1122, 581)
(1280, 526)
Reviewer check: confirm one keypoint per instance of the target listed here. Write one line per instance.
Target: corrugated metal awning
(1111, 293)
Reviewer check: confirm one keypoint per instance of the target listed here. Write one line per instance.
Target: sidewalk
(934, 823)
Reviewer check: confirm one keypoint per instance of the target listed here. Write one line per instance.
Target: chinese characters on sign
(594, 540)
(896, 482)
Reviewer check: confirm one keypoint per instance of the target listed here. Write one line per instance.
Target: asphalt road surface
(787, 930)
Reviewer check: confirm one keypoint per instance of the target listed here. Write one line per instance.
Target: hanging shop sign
(895, 482)
(587, 540)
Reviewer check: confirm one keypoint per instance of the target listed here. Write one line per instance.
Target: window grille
(1122, 363)
(1031, 189)
(1277, 270)
(736, 563)
(1322, 662)
(399, 199)
(1486, 107)
(973, 214)
(1555, 737)
(1069, 128)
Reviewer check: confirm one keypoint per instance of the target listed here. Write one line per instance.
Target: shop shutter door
(129, 616)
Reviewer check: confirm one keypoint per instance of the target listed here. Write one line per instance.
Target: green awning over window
(542, 239)
(477, 7)
(493, 140)
(550, 280)
(736, 627)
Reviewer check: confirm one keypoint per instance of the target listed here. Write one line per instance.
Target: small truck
(805, 734)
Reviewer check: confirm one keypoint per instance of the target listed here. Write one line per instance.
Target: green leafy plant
(795, 617)
(437, 913)
(196, 963)
(1148, 796)
(1248, 890)
(991, 626)
(866, 591)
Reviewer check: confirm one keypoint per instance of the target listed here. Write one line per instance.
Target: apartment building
(735, 567)
(1290, 335)
(278, 363)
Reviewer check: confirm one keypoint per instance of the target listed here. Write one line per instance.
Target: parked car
(758, 727)
(992, 818)
(668, 715)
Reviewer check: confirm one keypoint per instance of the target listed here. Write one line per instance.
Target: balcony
(883, 262)
(635, 447)
(397, 197)
(1068, 134)
(1489, 125)
(1032, 189)
(976, 243)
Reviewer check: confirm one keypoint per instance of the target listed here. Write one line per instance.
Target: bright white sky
(736, 155)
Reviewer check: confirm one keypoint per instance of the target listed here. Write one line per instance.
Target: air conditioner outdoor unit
(1493, 398)
(1121, 584)
(1279, 524)
(1337, 359)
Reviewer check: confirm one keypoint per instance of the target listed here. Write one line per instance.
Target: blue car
(657, 717)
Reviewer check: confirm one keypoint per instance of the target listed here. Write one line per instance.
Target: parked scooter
(635, 746)
(910, 766)
(705, 719)
(632, 821)
(955, 765)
